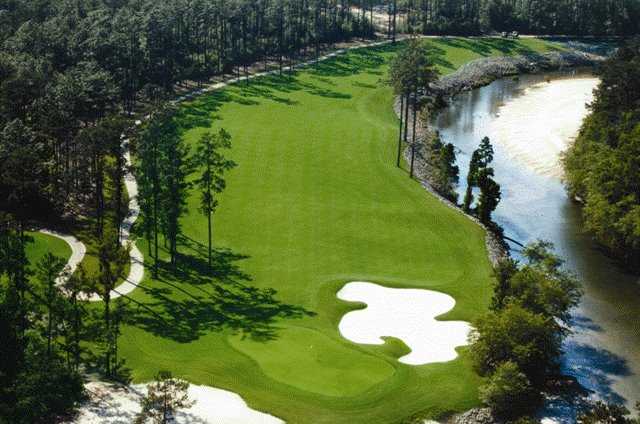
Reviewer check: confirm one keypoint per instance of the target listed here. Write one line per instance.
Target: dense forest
(67, 65)
(603, 166)
(74, 74)
(574, 17)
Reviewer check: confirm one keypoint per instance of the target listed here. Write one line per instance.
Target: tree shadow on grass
(355, 62)
(195, 299)
(202, 112)
(486, 46)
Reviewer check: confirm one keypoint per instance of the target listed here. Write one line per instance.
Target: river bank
(481, 73)
(476, 74)
(602, 352)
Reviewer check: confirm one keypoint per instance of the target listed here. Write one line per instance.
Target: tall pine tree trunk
(413, 135)
(400, 131)
(209, 234)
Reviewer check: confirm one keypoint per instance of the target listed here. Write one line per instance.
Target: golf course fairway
(315, 202)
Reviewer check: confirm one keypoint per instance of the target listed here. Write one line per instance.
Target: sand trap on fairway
(406, 314)
(117, 405)
(536, 127)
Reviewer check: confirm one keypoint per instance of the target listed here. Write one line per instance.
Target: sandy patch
(406, 314)
(536, 127)
(117, 405)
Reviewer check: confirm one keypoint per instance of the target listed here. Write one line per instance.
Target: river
(531, 120)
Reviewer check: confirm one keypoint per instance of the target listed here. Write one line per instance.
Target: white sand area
(536, 127)
(117, 405)
(406, 314)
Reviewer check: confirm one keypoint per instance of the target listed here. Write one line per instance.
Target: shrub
(509, 393)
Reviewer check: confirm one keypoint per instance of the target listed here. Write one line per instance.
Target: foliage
(509, 393)
(581, 17)
(481, 176)
(446, 174)
(524, 331)
(164, 397)
(517, 335)
(38, 381)
(211, 181)
(603, 413)
(603, 165)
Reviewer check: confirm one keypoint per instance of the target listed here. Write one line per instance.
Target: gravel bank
(481, 72)
(476, 74)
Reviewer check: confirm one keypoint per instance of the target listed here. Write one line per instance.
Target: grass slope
(43, 244)
(315, 202)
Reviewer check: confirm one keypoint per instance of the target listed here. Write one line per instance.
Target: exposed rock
(473, 75)
(475, 416)
(481, 72)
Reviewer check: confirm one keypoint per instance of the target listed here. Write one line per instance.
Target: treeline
(410, 75)
(518, 344)
(46, 328)
(67, 66)
(572, 17)
(603, 165)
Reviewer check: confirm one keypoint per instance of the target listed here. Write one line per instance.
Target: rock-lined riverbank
(481, 72)
(476, 74)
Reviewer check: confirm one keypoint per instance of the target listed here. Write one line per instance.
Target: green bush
(509, 393)
(514, 334)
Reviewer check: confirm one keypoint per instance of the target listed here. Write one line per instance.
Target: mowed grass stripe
(315, 202)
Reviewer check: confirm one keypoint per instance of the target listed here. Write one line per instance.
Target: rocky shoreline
(476, 74)
(481, 72)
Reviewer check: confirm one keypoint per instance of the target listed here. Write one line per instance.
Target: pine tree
(211, 181)
(164, 397)
(113, 261)
(174, 169)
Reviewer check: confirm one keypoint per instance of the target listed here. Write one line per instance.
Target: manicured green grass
(315, 202)
(43, 244)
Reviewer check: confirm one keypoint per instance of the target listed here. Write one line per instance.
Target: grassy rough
(315, 202)
(43, 244)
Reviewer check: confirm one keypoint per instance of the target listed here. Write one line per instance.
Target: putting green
(309, 349)
(316, 202)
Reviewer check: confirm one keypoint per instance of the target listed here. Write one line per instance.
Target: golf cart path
(78, 251)
(136, 272)
(136, 258)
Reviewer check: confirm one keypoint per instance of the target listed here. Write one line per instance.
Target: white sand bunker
(406, 314)
(118, 405)
(536, 127)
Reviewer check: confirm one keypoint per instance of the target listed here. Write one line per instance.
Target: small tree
(603, 413)
(514, 334)
(48, 270)
(490, 195)
(165, 396)
(509, 393)
(481, 176)
(209, 157)
(113, 261)
(77, 284)
(472, 180)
